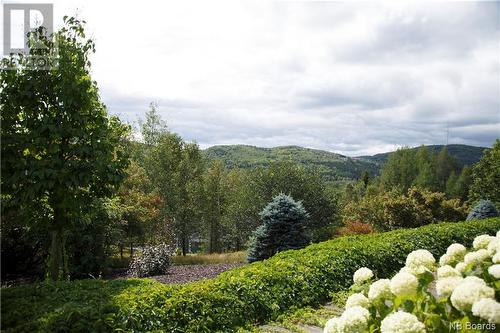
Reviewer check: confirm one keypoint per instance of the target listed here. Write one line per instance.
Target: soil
(189, 273)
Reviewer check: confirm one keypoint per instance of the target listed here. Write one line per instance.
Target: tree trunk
(56, 254)
(184, 245)
(131, 249)
(121, 251)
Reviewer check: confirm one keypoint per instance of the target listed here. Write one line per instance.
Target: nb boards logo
(27, 36)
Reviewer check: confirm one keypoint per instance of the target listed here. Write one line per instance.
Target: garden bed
(179, 274)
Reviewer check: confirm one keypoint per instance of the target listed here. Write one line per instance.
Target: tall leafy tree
(153, 126)
(486, 176)
(60, 149)
(215, 199)
(175, 168)
(400, 170)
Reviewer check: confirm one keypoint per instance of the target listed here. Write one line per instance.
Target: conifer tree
(284, 221)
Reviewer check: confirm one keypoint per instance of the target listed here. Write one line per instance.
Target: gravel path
(190, 273)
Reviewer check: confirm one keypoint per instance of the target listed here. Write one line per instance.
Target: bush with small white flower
(463, 290)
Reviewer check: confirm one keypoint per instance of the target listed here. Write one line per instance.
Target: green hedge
(254, 293)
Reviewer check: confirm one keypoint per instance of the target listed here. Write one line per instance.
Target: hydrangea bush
(154, 260)
(456, 294)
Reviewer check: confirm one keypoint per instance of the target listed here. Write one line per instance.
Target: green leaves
(59, 145)
(254, 293)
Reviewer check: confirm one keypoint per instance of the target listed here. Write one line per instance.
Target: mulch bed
(177, 274)
(189, 273)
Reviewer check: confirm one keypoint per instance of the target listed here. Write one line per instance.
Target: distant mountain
(463, 154)
(332, 166)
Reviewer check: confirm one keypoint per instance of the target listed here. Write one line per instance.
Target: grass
(213, 258)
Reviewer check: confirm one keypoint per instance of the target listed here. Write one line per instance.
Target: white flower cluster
(362, 275)
(380, 290)
(357, 299)
(420, 261)
(402, 322)
(466, 280)
(455, 253)
(354, 319)
(404, 284)
(469, 291)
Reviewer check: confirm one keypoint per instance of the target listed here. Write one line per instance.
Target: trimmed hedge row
(255, 293)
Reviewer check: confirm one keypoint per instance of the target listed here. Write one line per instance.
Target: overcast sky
(353, 78)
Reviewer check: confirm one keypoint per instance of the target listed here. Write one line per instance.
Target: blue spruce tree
(283, 228)
(482, 210)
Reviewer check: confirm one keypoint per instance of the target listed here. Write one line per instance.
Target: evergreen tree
(451, 184)
(365, 179)
(458, 187)
(426, 177)
(482, 210)
(445, 165)
(284, 221)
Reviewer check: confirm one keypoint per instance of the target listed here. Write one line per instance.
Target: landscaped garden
(239, 298)
(109, 225)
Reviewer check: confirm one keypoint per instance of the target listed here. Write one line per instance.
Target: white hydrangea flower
(498, 233)
(494, 271)
(456, 250)
(482, 241)
(494, 246)
(446, 259)
(476, 257)
(332, 326)
(420, 261)
(402, 322)
(474, 279)
(453, 255)
(488, 309)
(496, 258)
(445, 286)
(354, 320)
(357, 299)
(362, 275)
(447, 271)
(404, 284)
(460, 267)
(380, 290)
(468, 292)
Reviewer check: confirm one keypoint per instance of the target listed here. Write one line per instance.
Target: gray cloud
(351, 78)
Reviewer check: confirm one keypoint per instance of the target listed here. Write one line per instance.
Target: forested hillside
(331, 166)
(463, 154)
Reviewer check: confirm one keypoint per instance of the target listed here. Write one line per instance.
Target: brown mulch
(177, 274)
(189, 273)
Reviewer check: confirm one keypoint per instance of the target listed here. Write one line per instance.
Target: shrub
(284, 222)
(482, 210)
(355, 228)
(251, 294)
(425, 298)
(154, 260)
(392, 210)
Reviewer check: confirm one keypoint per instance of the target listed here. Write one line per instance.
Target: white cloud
(354, 78)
